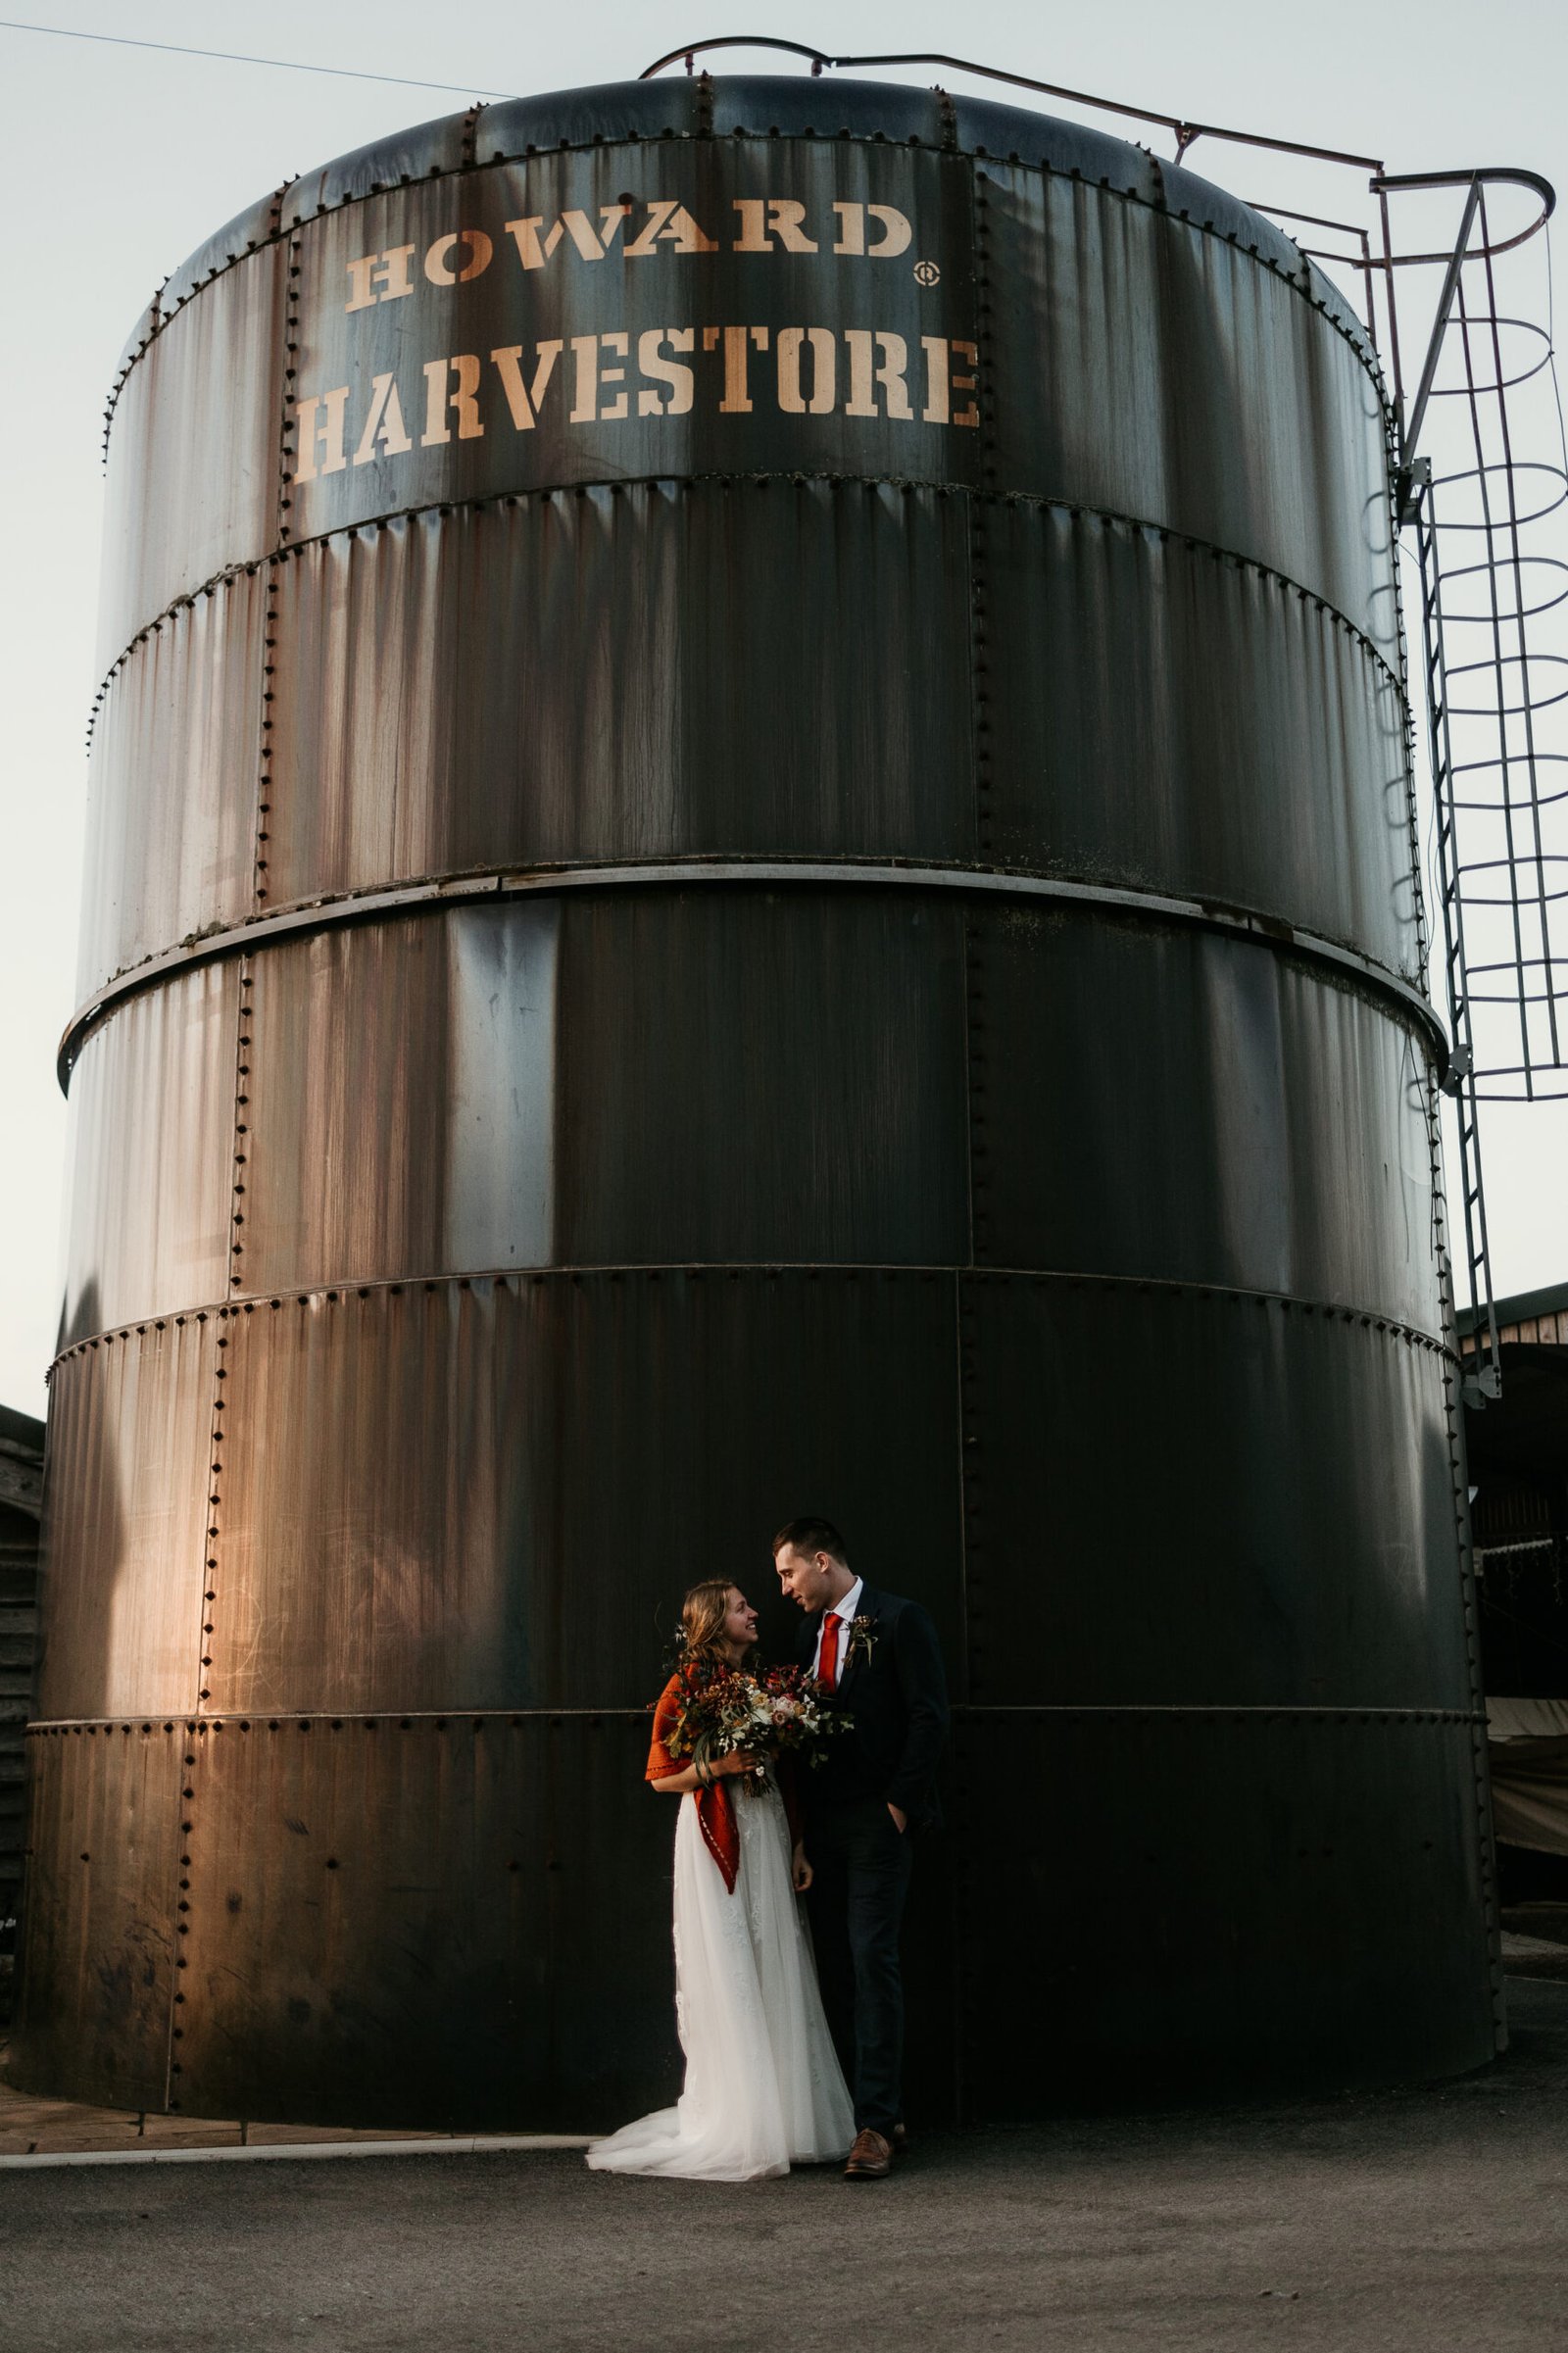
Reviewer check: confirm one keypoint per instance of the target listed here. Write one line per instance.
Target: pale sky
(119, 161)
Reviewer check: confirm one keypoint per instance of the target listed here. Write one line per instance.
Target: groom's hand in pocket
(901, 1820)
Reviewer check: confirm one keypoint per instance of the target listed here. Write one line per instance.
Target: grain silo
(752, 851)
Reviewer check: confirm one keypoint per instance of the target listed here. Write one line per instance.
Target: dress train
(763, 2086)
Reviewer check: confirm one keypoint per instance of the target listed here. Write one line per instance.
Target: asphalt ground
(1429, 2218)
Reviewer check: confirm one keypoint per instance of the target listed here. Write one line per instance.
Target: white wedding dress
(763, 2086)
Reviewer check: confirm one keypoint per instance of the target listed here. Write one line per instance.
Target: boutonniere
(862, 1639)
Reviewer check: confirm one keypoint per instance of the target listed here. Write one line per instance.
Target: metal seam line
(1345, 326)
(254, 1719)
(336, 1289)
(976, 492)
(666, 873)
(976, 596)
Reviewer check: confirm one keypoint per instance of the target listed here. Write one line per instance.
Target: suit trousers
(861, 1862)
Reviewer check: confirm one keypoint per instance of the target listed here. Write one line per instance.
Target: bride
(763, 2087)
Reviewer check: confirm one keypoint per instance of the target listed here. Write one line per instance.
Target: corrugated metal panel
(1133, 1978)
(340, 1874)
(152, 1155)
(461, 1495)
(770, 1077)
(193, 456)
(330, 1884)
(173, 785)
(400, 749)
(96, 1972)
(741, 1075)
(413, 1067)
(20, 1489)
(775, 716)
(1182, 1497)
(1177, 1104)
(1135, 356)
(754, 1081)
(126, 1494)
(783, 721)
(1162, 715)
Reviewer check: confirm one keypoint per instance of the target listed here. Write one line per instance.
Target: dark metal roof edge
(22, 1435)
(1523, 1307)
(199, 269)
(1349, 967)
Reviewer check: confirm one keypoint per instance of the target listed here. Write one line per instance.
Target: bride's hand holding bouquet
(731, 1721)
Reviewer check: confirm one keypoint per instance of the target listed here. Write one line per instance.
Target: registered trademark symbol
(926, 274)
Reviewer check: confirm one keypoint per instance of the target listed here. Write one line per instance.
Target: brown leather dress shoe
(870, 2159)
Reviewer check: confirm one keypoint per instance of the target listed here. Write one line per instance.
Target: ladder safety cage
(1483, 482)
(1478, 474)
(1483, 479)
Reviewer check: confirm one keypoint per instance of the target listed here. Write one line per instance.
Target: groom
(878, 1654)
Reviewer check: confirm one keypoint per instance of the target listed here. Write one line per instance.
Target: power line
(234, 57)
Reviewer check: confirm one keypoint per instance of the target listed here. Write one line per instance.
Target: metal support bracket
(1411, 483)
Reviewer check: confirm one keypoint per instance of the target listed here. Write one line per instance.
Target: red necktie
(828, 1665)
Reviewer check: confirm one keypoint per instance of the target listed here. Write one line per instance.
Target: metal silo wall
(651, 966)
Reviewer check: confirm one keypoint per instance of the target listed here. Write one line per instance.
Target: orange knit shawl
(716, 1809)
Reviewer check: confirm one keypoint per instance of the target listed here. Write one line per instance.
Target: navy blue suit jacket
(895, 1692)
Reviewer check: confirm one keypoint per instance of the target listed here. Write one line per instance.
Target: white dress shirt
(845, 1609)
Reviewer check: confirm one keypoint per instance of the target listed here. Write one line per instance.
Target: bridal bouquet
(799, 1715)
(762, 1715)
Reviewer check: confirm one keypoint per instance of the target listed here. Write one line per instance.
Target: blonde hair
(701, 1618)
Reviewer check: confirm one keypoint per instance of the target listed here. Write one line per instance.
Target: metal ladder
(1484, 1380)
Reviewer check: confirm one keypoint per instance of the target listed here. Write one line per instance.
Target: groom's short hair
(812, 1536)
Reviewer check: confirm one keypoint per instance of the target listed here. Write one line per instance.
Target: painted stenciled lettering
(320, 421)
(526, 398)
(535, 243)
(445, 400)
(609, 377)
(679, 380)
(452, 261)
(385, 434)
(614, 374)
(669, 224)
(381, 276)
(763, 225)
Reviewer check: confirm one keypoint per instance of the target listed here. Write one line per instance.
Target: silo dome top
(727, 283)
(744, 107)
